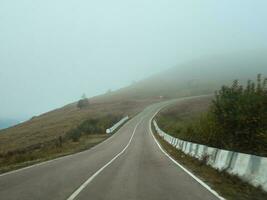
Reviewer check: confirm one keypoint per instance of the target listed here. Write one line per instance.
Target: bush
(240, 114)
(92, 126)
(74, 135)
(83, 102)
(235, 120)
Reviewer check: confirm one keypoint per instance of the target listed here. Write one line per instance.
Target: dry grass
(189, 107)
(50, 151)
(51, 125)
(173, 118)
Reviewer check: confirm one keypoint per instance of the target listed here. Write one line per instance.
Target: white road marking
(62, 157)
(66, 156)
(76, 192)
(179, 165)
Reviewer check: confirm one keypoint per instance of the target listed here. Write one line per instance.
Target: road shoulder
(228, 186)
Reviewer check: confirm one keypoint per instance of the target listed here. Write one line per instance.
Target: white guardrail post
(249, 168)
(118, 124)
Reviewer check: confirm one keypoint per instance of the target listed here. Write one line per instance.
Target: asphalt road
(129, 165)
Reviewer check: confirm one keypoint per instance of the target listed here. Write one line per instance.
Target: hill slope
(192, 78)
(197, 77)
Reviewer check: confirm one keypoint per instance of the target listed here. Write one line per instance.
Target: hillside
(193, 78)
(200, 76)
(56, 123)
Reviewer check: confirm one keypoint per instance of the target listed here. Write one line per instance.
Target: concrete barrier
(222, 160)
(250, 168)
(118, 124)
(200, 152)
(193, 149)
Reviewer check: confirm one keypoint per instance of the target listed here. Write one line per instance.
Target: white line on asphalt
(62, 157)
(76, 192)
(179, 165)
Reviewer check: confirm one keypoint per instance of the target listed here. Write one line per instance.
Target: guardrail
(115, 126)
(250, 168)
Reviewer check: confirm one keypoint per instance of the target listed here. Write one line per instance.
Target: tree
(83, 102)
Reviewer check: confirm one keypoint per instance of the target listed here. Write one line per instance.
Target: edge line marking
(181, 166)
(64, 156)
(89, 180)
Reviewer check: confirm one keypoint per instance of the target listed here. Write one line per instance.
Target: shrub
(235, 120)
(240, 114)
(83, 102)
(92, 126)
(74, 135)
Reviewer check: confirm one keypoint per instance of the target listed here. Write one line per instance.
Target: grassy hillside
(58, 122)
(193, 78)
(61, 132)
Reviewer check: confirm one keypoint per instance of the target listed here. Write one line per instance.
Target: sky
(53, 51)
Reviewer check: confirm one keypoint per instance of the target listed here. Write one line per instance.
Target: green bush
(92, 126)
(240, 115)
(74, 134)
(236, 119)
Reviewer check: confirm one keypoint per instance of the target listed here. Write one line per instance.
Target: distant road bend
(129, 165)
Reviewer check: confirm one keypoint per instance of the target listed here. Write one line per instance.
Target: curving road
(129, 165)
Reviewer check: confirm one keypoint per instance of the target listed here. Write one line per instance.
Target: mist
(53, 51)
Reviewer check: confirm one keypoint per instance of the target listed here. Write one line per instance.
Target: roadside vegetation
(86, 135)
(58, 122)
(235, 119)
(92, 126)
(229, 186)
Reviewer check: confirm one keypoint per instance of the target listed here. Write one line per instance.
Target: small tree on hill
(83, 102)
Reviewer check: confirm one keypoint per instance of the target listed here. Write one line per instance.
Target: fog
(53, 51)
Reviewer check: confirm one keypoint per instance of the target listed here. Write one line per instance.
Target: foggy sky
(52, 51)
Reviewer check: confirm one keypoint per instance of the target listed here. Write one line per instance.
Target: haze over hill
(54, 51)
(201, 76)
(5, 123)
(87, 81)
(197, 77)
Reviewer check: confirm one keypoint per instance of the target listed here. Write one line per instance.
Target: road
(129, 165)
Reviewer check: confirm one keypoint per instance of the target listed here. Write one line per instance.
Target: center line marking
(89, 180)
